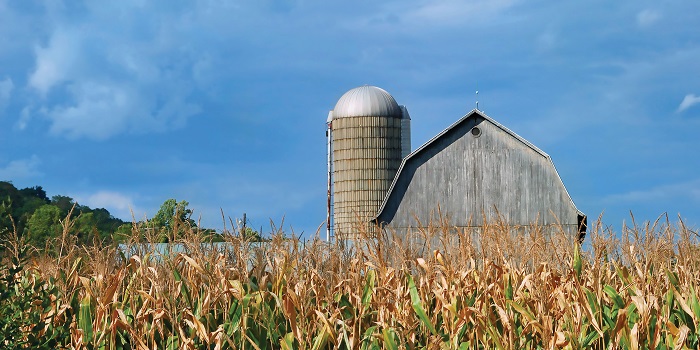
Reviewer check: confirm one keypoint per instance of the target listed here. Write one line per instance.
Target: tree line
(37, 218)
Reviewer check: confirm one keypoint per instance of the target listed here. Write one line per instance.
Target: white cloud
(99, 111)
(21, 169)
(675, 192)
(24, 118)
(136, 79)
(449, 12)
(547, 41)
(647, 17)
(688, 101)
(6, 87)
(57, 61)
(118, 204)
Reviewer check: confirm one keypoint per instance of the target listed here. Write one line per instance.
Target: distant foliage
(32, 214)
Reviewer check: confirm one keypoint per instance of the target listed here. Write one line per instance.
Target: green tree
(123, 232)
(35, 192)
(252, 235)
(170, 215)
(172, 211)
(9, 192)
(5, 215)
(30, 205)
(64, 203)
(45, 223)
(85, 228)
(11, 198)
(21, 205)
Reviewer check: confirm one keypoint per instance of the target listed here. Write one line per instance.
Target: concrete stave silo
(366, 145)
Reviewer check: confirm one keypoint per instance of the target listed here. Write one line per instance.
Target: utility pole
(243, 224)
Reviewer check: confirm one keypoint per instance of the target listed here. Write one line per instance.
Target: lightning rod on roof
(477, 95)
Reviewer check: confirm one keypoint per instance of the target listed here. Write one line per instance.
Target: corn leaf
(417, 305)
(85, 318)
(389, 339)
(369, 288)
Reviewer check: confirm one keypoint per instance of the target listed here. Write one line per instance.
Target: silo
(366, 149)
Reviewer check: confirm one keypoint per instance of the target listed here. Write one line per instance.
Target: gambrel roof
(433, 142)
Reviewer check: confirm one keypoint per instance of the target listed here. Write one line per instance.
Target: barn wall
(475, 178)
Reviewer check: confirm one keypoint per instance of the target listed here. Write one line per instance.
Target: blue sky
(124, 104)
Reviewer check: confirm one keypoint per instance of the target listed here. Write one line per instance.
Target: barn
(476, 171)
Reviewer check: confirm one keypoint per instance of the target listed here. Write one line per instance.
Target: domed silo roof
(367, 101)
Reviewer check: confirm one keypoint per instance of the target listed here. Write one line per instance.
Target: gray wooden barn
(477, 170)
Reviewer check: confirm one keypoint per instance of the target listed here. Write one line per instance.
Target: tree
(30, 205)
(252, 235)
(35, 192)
(9, 192)
(85, 228)
(21, 205)
(12, 198)
(64, 203)
(170, 212)
(5, 218)
(45, 223)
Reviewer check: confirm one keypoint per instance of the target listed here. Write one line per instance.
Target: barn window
(476, 132)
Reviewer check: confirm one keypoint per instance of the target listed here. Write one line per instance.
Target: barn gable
(478, 169)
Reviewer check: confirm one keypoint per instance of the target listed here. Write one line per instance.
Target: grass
(493, 287)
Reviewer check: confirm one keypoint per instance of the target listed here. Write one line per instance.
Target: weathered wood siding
(472, 178)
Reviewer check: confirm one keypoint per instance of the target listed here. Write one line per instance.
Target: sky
(125, 104)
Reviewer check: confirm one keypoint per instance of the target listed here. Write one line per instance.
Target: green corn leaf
(578, 263)
(588, 340)
(669, 301)
(389, 339)
(183, 289)
(346, 307)
(592, 300)
(623, 273)
(234, 318)
(287, 343)
(418, 305)
(85, 318)
(612, 293)
(369, 288)
(198, 302)
(673, 278)
(172, 343)
(694, 304)
(522, 310)
(321, 339)
(495, 336)
(367, 337)
(509, 289)
(472, 299)
(462, 331)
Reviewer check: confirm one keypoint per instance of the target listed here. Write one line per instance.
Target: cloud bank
(6, 87)
(119, 205)
(689, 100)
(100, 77)
(21, 169)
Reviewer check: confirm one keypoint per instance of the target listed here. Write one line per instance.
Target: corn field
(498, 288)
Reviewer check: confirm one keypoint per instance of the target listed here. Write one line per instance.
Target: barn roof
(471, 114)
